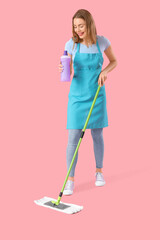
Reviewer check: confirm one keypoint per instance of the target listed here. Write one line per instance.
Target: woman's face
(80, 27)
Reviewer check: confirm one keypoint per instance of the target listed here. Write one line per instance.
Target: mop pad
(62, 207)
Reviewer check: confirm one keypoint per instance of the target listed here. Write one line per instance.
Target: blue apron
(87, 67)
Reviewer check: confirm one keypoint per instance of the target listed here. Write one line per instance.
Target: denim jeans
(98, 144)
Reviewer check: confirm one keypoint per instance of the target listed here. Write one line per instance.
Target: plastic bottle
(65, 61)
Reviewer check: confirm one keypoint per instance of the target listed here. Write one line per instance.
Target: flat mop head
(61, 207)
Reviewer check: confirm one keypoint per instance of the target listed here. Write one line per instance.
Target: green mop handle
(83, 131)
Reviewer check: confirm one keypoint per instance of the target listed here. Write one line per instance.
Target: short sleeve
(104, 43)
(69, 46)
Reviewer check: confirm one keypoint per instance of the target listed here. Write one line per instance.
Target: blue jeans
(98, 144)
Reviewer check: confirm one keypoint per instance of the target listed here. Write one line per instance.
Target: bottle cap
(65, 53)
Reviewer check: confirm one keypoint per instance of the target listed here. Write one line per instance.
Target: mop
(57, 204)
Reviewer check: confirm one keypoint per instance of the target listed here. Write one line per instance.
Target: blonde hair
(90, 25)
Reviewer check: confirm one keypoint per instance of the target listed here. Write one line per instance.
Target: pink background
(33, 107)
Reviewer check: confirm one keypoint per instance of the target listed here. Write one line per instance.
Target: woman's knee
(97, 133)
(73, 136)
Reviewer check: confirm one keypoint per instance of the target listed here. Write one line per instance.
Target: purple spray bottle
(65, 61)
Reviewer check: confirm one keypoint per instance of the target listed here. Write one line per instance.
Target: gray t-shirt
(103, 42)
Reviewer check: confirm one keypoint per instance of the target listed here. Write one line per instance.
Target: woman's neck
(86, 42)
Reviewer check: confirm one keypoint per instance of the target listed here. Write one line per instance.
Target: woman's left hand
(102, 78)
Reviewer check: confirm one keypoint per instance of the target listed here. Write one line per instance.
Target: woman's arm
(71, 63)
(113, 63)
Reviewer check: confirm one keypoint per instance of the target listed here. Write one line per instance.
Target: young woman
(86, 51)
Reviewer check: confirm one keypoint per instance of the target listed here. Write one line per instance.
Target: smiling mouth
(80, 34)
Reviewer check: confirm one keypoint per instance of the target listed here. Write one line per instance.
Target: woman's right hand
(60, 67)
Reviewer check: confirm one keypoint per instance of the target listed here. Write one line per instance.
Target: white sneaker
(69, 188)
(99, 179)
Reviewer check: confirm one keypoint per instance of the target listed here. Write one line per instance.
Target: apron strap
(78, 45)
(98, 47)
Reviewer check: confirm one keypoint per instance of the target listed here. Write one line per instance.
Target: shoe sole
(68, 193)
(99, 184)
